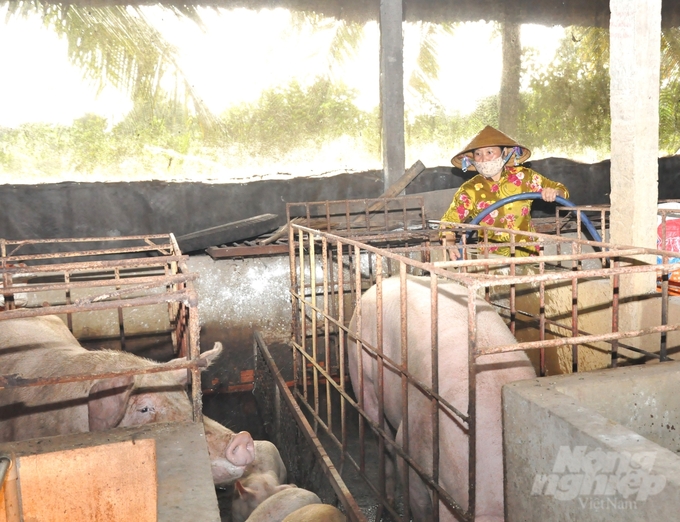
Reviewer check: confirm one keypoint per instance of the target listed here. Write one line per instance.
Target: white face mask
(489, 169)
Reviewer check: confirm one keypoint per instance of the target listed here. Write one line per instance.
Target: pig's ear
(208, 356)
(182, 376)
(242, 491)
(107, 402)
(213, 354)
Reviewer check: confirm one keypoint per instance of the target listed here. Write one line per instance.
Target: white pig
(44, 347)
(263, 477)
(316, 513)
(493, 372)
(267, 460)
(251, 491)
(281, 504)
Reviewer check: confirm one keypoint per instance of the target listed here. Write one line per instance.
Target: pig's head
(230, 452)
(161, 397)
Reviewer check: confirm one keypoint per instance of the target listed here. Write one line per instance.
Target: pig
(267, 460)
(493, 372)
(263, 477)
(44, 347)
(316, 513)
(251, 491)
(281, 504)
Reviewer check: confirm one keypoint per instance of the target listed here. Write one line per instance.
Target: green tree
(567, 105)
(292, 117)
(118, 46)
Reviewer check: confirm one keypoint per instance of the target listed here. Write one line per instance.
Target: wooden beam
(228, 233)
(245, 251)
(395, 189)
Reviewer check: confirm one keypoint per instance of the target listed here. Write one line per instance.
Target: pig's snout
(241, 449)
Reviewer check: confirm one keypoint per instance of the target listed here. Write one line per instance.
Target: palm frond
(118, 46)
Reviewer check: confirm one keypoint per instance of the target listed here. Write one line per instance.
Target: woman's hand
(549, 194)
(449, 238)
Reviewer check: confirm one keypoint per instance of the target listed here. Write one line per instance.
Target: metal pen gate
(332, 264)
(111, 280)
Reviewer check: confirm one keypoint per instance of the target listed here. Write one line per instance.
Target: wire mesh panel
(368, 397)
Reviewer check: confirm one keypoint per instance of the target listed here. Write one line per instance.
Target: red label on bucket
(672, 236)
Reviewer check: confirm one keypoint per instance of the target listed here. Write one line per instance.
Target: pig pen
(124, 293)
(318, 417)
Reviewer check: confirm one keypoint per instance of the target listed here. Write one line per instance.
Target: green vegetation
(564, 106)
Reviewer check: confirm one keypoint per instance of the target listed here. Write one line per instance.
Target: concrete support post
(635, 36)
(392, 90)
(635, 32)
(508, 101)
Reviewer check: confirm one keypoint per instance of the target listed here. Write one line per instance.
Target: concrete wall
(599, 446)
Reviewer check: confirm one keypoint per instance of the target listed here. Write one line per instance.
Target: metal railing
(330, 272)
(74, 276)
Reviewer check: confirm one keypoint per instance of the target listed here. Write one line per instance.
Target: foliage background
(169, 134)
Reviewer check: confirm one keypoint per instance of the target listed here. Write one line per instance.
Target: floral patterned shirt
(478, 193)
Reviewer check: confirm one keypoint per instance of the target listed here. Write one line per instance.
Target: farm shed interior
(243, 285)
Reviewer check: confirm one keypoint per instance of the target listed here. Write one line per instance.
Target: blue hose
(535, 195)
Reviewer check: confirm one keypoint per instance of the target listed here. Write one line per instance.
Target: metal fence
(330, 271)
(110, 281)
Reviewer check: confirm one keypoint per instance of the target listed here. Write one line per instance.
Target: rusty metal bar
(194, 354)
(615, 315)
(301, 366)
(574, 324)
(87, 253)
(296, 321)
(342, 355)
(17, 381)
(582, 339)
(472, 402)
(404, 367)
(326, 328)
(141, 283)
(121, 321)
(106, 305)
(434, 341)
(380, 385)
(314, 340)
(359, 347)
(541, 317)
(94, 268)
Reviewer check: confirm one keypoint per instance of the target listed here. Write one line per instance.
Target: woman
(488, 153)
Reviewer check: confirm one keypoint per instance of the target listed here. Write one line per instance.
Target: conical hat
(489, 137)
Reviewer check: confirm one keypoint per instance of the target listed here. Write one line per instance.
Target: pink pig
(44, 347)
(493, 372)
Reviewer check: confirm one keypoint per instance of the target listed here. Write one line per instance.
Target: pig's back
(281, 504)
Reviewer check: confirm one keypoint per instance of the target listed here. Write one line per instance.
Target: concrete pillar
(635, 36)
(635, 32)
(392, 90)
(508, 100)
